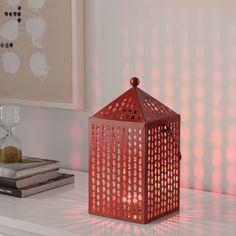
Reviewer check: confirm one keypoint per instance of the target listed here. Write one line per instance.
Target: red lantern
(134, 158)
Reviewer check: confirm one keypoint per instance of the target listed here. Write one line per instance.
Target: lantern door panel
(117, 169)
(163, 168)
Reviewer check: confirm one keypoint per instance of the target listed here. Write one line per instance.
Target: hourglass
(10, 146)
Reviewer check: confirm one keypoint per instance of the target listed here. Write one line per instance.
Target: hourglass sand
(10, 146)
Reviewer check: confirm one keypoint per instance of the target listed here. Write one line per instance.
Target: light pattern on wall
(186, 55)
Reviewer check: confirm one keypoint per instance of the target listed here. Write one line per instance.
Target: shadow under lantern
(134, 158)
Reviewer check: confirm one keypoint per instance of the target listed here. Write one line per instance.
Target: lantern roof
(135, 106)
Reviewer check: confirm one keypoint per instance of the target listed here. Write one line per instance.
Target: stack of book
(31, 176)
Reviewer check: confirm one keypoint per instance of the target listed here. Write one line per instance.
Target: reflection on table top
(63, 211)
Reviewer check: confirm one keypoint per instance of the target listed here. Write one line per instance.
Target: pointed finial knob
(134, 81)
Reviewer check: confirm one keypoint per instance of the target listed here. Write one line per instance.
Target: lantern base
(134, 219)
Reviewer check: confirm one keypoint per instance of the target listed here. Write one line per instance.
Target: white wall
(185, 55)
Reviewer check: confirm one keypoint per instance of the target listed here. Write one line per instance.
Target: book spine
(10, 192)
(7, 173)
(6, 182)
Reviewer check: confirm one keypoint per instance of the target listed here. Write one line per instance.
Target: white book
(27, 167)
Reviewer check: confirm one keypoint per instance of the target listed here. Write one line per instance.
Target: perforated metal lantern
(134, 158)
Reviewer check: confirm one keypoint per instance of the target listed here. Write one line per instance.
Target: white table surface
(63, 212)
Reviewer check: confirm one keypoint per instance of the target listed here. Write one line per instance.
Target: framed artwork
(41, 53)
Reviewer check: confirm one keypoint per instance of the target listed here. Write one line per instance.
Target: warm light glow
(189, 63)
(124, 199)
(135, 200)
(216, 115)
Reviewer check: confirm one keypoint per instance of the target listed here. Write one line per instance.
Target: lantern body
(134, 163)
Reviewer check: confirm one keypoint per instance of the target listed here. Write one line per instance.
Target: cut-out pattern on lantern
(134, 158)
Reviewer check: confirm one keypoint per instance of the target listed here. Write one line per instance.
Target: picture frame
(77, 67)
